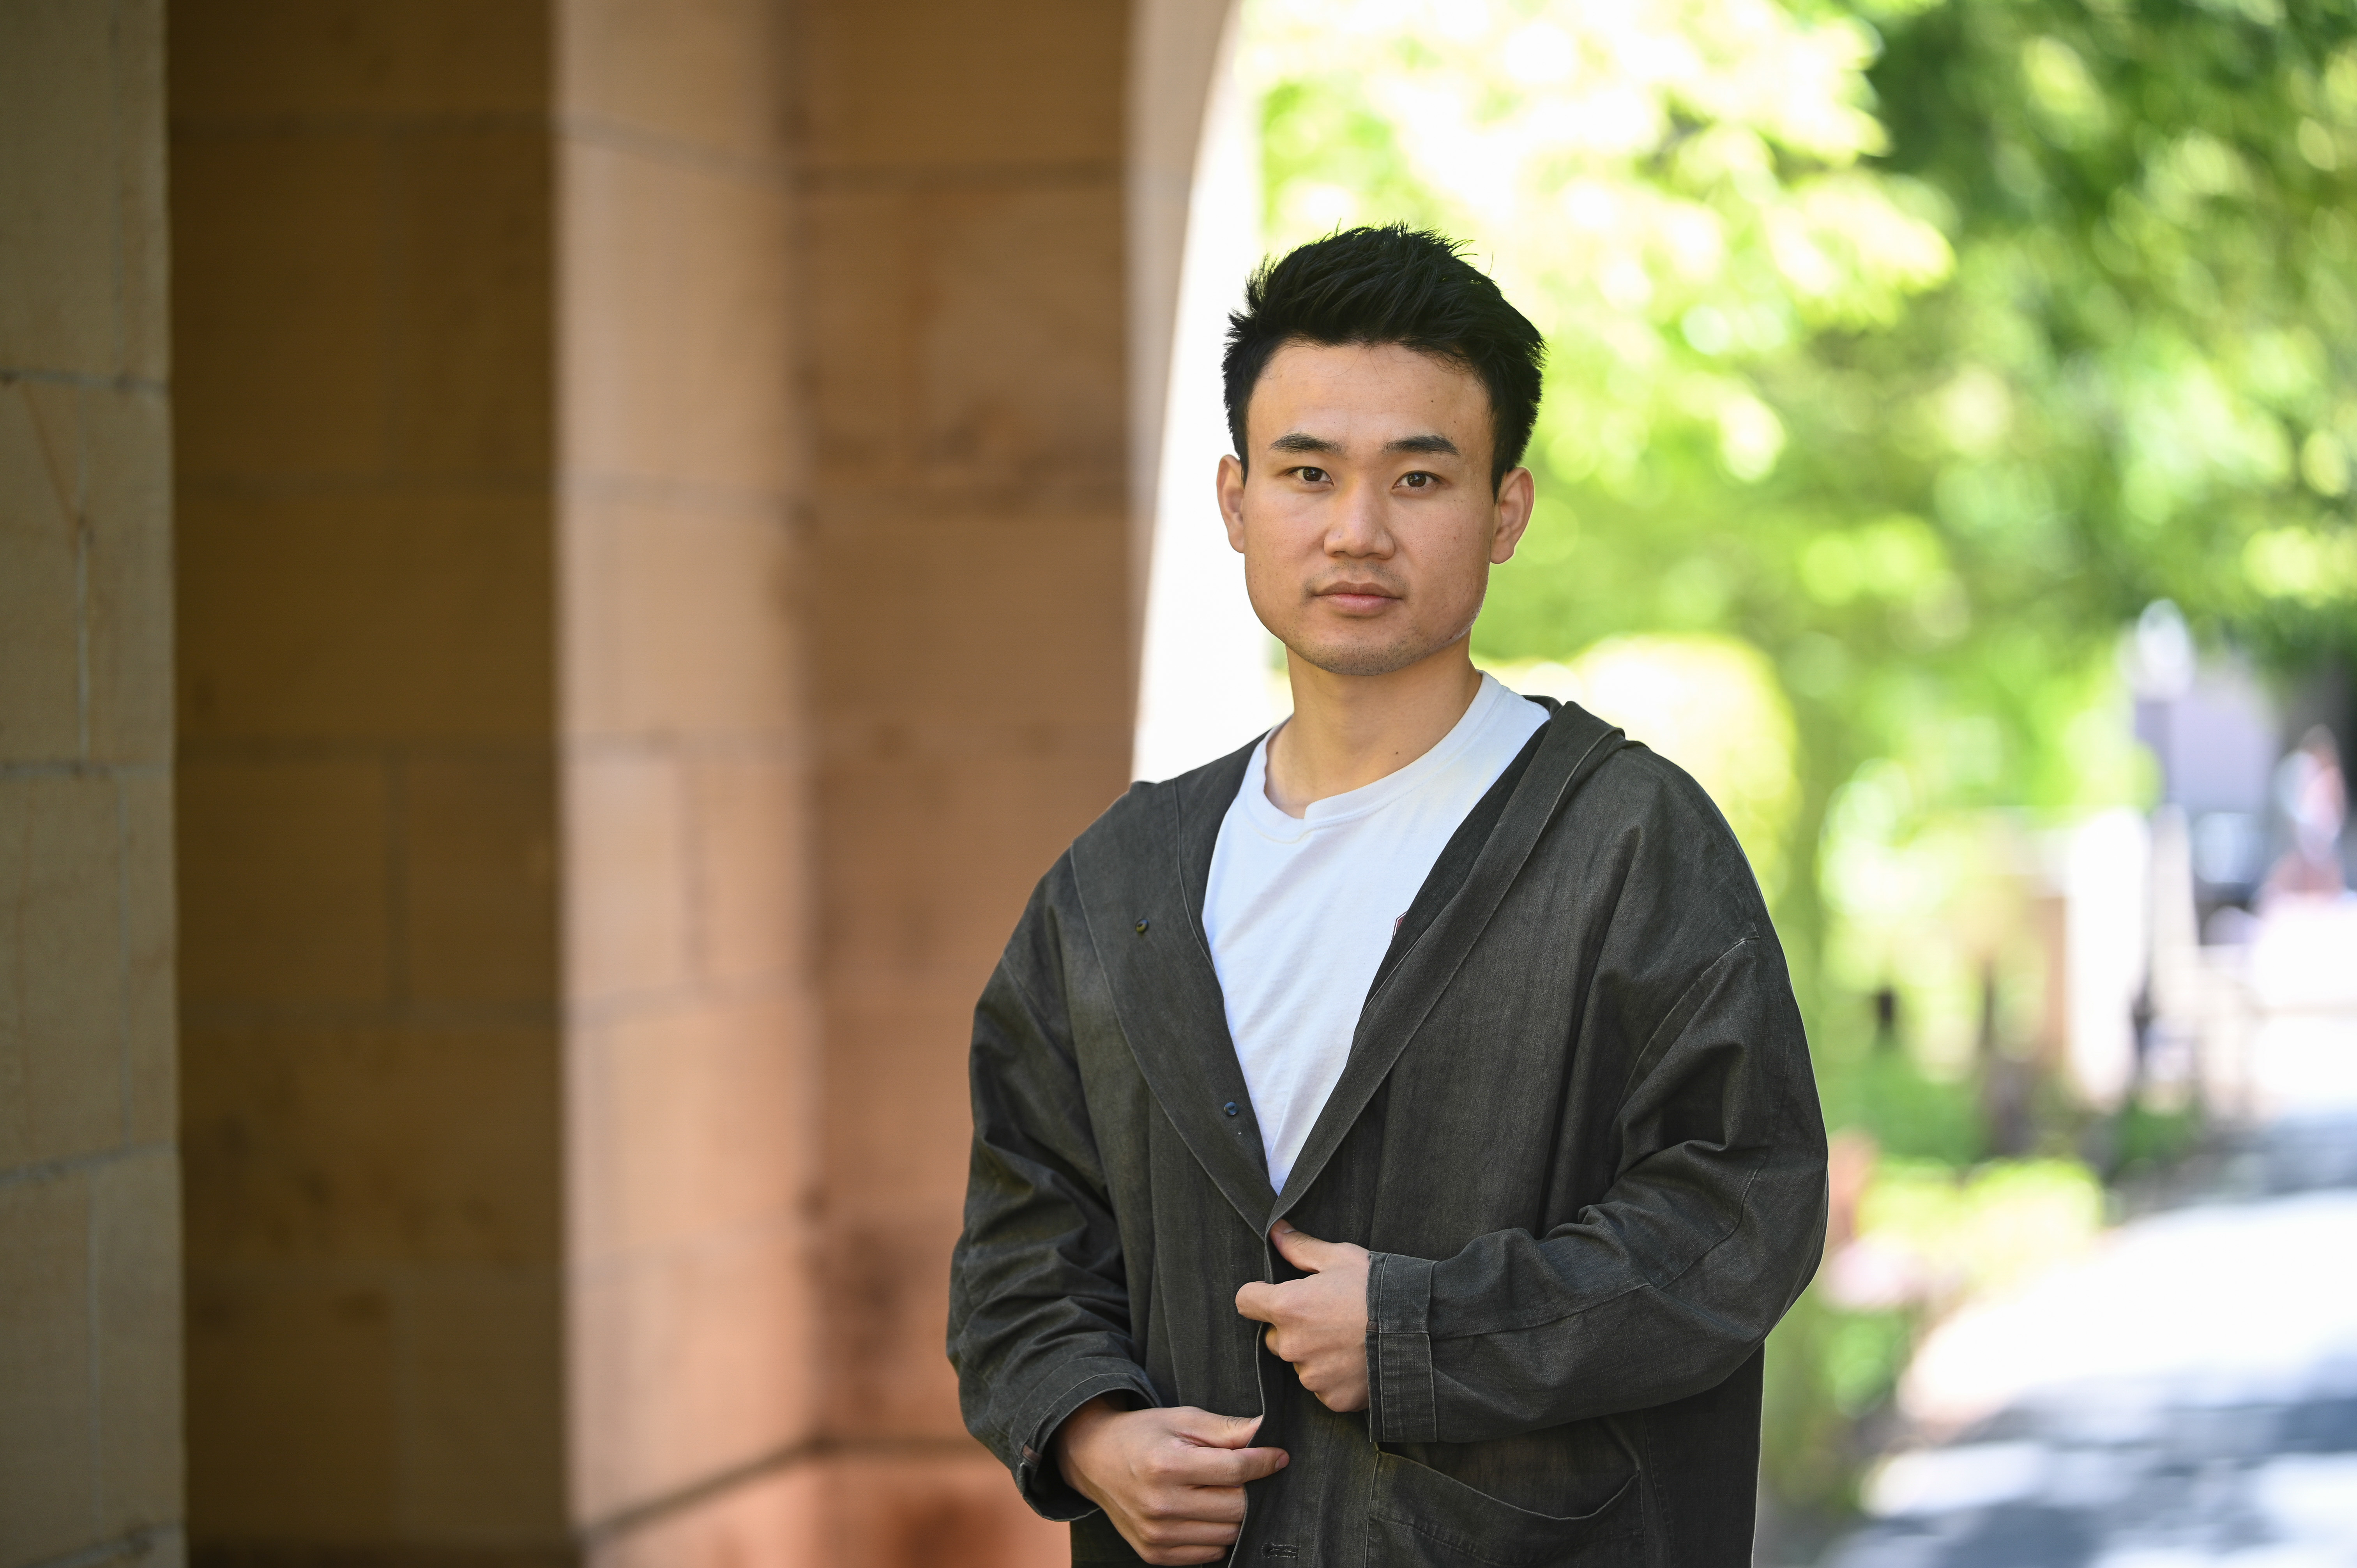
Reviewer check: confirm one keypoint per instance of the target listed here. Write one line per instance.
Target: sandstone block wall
(90, 1284)
(655, 585)
(967, 510)
(363, 282)
(694, 1096)
(651, 589)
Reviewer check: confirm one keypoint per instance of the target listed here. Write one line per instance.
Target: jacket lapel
(1577, 742)
(1141, 888)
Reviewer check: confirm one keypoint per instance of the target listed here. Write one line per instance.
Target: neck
(1347, 731)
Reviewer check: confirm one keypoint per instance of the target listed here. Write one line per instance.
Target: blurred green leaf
(1918, 345)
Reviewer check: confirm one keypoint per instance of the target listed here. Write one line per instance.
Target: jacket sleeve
(1708, 1232)
(1039, 1318)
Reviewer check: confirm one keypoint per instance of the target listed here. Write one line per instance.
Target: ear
(1517, 494)
(1232, 501)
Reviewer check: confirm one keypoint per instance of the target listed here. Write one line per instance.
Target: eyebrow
(1302, 441)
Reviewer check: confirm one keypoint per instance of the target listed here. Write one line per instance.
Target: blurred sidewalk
(2187, 1394)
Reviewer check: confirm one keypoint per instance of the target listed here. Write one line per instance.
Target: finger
(1224, 1504)
(1213, 1468)
(1155, 1542)
(1257, 1302)
(1206, 1430)
(1180, 1540)
(1184, 1526)
(1300, 1249)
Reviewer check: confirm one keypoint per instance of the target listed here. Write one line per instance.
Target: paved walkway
(2186, 1396)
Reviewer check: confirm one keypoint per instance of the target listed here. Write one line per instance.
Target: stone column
(90, 1249)
(364, 288)
(692, 1106)
(962, 190)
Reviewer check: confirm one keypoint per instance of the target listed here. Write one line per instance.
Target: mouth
(1357, 598)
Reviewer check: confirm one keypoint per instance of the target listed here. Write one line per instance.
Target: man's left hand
(1319, 1324)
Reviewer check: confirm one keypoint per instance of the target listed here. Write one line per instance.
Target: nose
(1360, 529)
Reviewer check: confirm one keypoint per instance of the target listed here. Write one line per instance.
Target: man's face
(1367, 524)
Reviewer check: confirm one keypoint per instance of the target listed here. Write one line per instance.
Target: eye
(1309, 475)
(1419, 480)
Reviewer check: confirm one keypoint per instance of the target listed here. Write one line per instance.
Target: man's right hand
(1172, 1481)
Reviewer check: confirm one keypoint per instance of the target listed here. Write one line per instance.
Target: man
(1393, 1142)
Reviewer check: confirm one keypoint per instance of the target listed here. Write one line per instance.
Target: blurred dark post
(1885, 1018)
(2005, 1079)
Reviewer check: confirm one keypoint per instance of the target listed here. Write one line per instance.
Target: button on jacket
(1577, 1132)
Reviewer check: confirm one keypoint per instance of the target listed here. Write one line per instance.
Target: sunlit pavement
(2186, 1397)
(2186, 1394)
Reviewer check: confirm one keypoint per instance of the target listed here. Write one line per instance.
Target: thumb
(1300, 1249)
(1217, 1430)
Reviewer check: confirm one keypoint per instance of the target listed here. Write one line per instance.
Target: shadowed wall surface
(362, 276)
(655, 595)
(89, 1278)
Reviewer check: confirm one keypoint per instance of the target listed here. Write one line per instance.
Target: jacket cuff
(1399, 1404)
(1036, 1475)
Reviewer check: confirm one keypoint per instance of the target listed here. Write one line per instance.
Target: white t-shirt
(1300, 911)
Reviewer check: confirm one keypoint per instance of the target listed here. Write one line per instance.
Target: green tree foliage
(2143, 372)
(1919, 345)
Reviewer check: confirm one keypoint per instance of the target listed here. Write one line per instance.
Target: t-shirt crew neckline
(1265, 818)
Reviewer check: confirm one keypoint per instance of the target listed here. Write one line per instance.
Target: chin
(1342, 658)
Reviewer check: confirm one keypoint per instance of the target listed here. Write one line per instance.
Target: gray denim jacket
(1578, 1130)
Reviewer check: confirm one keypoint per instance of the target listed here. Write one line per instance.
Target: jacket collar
(1142, 875)
(1575, 744)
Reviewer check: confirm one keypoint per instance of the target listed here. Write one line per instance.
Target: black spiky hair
(1390, 284)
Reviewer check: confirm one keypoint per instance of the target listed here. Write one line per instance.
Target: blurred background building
(564, 568)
